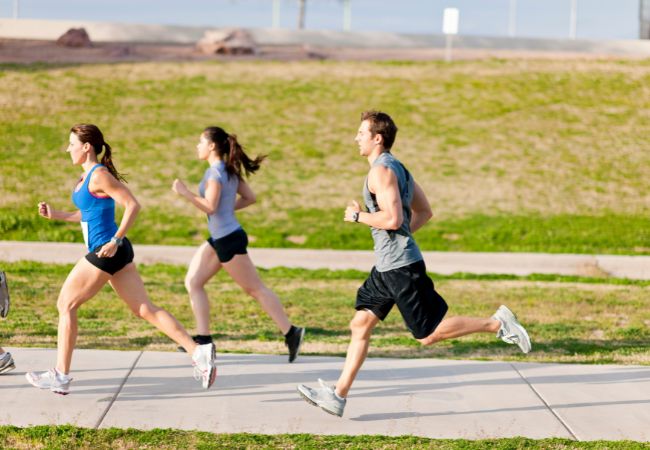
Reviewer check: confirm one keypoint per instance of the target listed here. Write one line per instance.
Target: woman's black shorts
(117, 262)
(412, 290)
(230, 245)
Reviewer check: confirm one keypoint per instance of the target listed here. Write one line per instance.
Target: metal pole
(448, 45)
(347, 15)
(644, 19)
(512, 20)
(573, 19)
(16, 9)
(301, 14)
(276, 14)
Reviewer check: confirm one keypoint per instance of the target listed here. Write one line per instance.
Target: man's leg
(454, 327)
(332, 399)
(361, 327)
(504, 323)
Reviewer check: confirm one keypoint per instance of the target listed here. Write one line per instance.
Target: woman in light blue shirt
(222, 191)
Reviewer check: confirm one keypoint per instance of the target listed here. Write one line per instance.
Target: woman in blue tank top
(109, 259)
(218, 197)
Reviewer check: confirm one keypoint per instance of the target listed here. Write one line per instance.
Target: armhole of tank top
(90, 174)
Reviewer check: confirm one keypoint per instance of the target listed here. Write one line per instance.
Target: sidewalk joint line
(119, 390)
(564, 424)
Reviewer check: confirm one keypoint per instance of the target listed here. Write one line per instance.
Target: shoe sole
(513, 319)
(212, 375)
(302, 335)
(8, 368)
(4, 295)
(311, 402)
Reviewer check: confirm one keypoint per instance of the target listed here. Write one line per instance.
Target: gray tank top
(223, 221)
(394, 248)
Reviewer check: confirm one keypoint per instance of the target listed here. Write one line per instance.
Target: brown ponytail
(232, 153)
(88, 133)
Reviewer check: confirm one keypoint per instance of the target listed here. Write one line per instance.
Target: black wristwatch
(355, 216)
(117, 240)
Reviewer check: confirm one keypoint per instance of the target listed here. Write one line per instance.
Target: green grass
(614, 234)
(570, 319)
(59, 437)
(514, 155)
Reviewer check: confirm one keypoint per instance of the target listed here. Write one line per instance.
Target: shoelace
(198, 373)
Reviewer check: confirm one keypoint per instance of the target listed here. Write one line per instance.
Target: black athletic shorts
(412, 290)
(230, 245)
(116, 263)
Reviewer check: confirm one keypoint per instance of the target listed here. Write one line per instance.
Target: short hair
(381, 123)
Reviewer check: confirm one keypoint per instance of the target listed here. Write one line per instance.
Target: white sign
(450, 21)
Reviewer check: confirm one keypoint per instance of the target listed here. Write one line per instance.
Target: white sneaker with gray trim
(325, 397)
(205, 366)
(7, 363)
(511, 331)
(55, 382)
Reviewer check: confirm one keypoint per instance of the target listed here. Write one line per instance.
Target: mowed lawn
(580, 320)
(529, 155)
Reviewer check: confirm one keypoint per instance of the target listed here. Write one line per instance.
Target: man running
(396, 207)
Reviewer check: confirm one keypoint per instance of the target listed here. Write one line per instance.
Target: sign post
(449, 29)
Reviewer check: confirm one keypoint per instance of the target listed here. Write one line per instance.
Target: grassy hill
(513, 155)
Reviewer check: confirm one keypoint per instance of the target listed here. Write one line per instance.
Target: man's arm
(383, 183)
(420, 208)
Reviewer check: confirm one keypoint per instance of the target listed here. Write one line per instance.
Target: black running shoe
(294, 342)
(4, 295)
(199, 340)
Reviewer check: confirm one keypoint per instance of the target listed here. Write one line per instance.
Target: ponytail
(88, 133)
(237, 159)
(232, 153)
(107, 161)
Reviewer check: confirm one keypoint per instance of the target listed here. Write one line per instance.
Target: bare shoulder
(380, 175)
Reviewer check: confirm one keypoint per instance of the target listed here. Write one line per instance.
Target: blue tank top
(97, 214)
(223, 221)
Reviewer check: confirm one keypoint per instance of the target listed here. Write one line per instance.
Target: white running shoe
(205, 366)
(55, 382)
(7, 363)
(325, 397)
(511, 331)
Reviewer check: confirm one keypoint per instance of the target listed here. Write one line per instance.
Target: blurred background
(573, 19)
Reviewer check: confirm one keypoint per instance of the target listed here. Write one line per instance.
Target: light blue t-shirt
(223, 221)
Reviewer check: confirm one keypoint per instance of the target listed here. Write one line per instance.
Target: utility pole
(16, 9)
(512, 19)
(573, 19)
(301, 13)
(644, 19)
(347, 15)
(276, 14)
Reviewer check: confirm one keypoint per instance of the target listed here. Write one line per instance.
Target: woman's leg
(204, 265)
(82, 283)
(129, 286)
(242, 270)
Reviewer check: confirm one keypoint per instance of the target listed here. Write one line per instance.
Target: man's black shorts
(412, 290)
(116, 263)
(230, 245)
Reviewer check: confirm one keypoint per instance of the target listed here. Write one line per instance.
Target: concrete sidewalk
(634, 267)
(257, 394)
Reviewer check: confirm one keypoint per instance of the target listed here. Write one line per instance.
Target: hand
(179, 187)
(353, 207)
(44, 210)
(108, 250)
